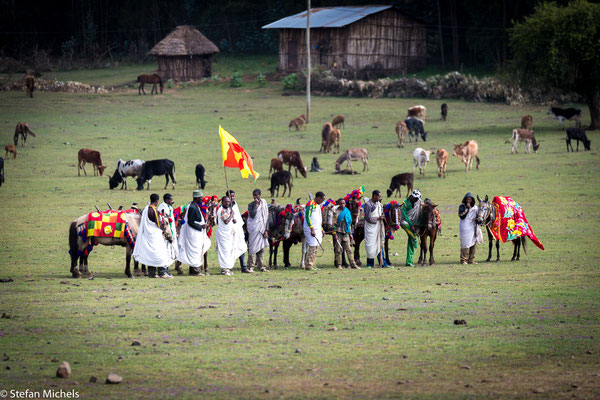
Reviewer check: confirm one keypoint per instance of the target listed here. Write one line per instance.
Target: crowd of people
(160, 243)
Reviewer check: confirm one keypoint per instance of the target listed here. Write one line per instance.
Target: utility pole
(308, 63)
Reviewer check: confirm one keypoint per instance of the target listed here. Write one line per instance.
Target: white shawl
(470, 233)
(316, 218)
(373, 233)
(227, 240)
(257, 227)
(150, 246)
(168, 211)
(192, 244)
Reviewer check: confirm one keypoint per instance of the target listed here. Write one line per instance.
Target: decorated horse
(505, 220)
(430, 222)
(280, 226)
(109, 228)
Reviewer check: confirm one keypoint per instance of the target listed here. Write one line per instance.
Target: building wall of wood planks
(184, 68)
(388, 38)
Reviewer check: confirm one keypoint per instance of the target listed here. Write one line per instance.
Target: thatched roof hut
(185, 54)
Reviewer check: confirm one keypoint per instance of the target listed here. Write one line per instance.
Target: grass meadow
(533, 327)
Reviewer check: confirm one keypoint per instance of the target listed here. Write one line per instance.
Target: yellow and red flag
(234, 156)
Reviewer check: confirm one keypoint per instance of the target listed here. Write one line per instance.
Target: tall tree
(560, 47)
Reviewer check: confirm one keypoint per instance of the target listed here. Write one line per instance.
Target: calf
(298, 123)
(9, 148)
(200, 182)
(123, 170)
(30, 85)
(280, 178)
(335, 138)
(401, 131)
(442, 159)
(292, 159)
(338, 122)
(526, 136)
(276, 165)
(327, 127)
(415, 126)
(22, 129)
(467, 152)
(527, 122)
(89, 156)
(421, 158)
(417, 112)
(577, 134)
(156, 167)
(1, 171)
(562, 114)
(444, 111)
(405, 179)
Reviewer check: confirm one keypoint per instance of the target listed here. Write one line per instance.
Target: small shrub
(261, 79)
(290, 82)
(184, 84)
(170, 84)
(235, 80)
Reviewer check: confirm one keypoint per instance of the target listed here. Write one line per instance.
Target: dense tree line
(469, 32)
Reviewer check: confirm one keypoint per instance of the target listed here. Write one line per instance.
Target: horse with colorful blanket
(505, 220)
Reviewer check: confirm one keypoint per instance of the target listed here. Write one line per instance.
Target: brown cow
(442, 159)
(9, 148)
(30, 85)
(298, 123)
(419, 112)
(89, 156)
(335, 138)
(327, 127)
(527, 122)
(292, 159)
(523, 135)
(401, 131)
(276, 165)
(22, 129)
(338, 122)
(467, 152)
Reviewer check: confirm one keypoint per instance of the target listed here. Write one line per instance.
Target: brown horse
(22, 129)
(154, 79)
(30, 85)
(428, 228)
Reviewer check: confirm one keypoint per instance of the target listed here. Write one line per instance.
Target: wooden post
(308, 63)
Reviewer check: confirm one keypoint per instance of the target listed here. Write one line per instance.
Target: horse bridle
(486, 209)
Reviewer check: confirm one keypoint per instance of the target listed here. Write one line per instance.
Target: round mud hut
(184, 55)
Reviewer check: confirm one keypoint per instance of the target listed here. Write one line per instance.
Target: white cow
(421, 158)
(125, 169)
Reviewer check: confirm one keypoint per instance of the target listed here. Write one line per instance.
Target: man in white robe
(240, 239)
(166, 209)
(374, 230)
(227, 239)
(150, 245)
(257, 231)
(470, 233)
(313, 229)
(193, 239)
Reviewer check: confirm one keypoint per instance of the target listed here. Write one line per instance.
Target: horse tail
(73, 246)
(524, 242)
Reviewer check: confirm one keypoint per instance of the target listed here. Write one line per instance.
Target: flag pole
(226, 182)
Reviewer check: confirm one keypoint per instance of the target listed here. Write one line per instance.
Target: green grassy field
(533, 326)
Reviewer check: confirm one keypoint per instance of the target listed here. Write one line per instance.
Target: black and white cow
(125, 169)
(156, 167)
(562, 114)
(415, 126)
(200, 182)
(577, 134)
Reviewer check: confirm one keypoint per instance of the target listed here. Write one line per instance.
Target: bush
(235, 80)
(184, 84)
(290, 82)
(170, 84)
(261, 79)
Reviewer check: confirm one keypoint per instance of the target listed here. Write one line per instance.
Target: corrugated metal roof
(326, 17)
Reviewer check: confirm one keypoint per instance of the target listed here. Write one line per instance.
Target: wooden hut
(353, 37)
(185, 54)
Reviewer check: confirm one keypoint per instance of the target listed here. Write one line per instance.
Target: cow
(292, 159)
(526, 136)
(444, 111)
(298, 123)
(335, 138)
(327, 127)
(562, 114)
(527, 122)
(404, 179)
(577, 134)
(22, 130)
(276, 165)
(156, 167)
(415, 126)
(401, 131)
(441, 156)
(9, 148)
(89, 156)
(338, 122)
(417, 112)
(200, 182)
(467, 152)
(30, 85)
(355, 154)
(1, 171)
(281, 178)
(123, 170)
(421, 158)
